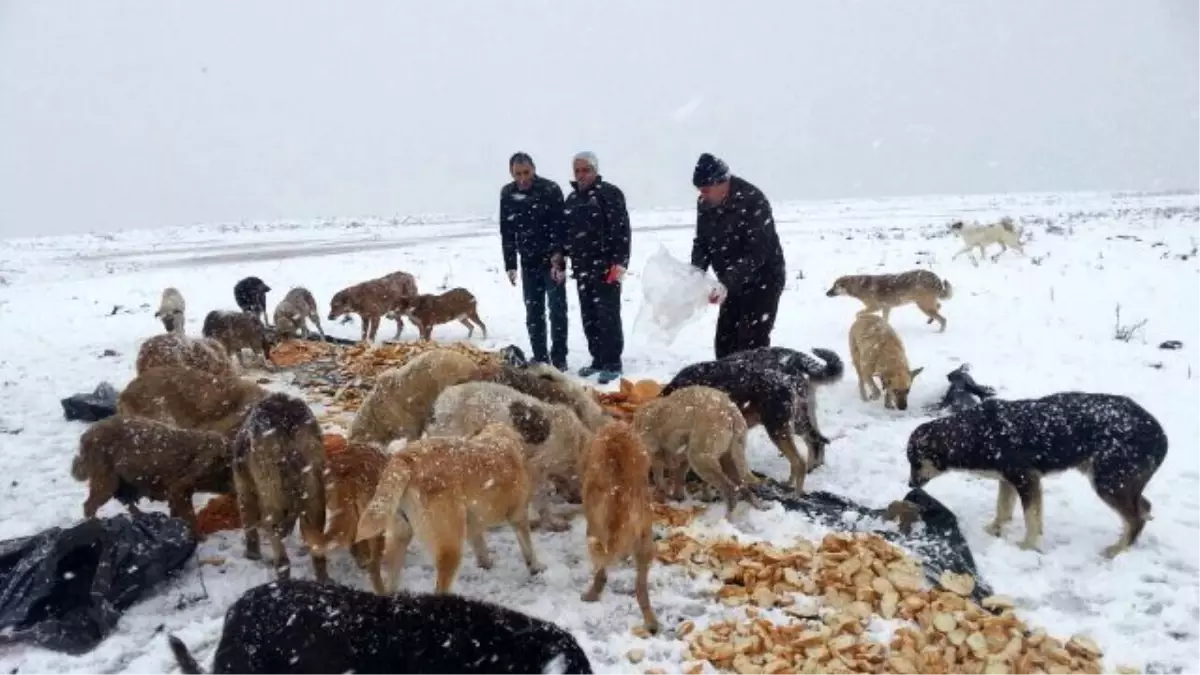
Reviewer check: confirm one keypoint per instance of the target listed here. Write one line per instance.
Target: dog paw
(484, 563)
(652, 627)
(253, 554)
(993, 529)
(1027, 545)
(589, 596)
(1111, 552)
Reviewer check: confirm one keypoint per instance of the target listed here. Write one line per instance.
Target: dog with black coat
(964, 392)
(1112, 439)
(300, 626)
(251, 297)
(764, 396)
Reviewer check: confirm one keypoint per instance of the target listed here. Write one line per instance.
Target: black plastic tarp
(91, 406)
(65, 589)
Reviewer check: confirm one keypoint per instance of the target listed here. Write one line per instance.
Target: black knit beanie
(710, 170)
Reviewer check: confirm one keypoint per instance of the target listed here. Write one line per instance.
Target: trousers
(747, 319)
(600, 309)
(540, 291)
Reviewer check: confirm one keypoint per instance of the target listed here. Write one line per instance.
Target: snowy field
(1028, 326)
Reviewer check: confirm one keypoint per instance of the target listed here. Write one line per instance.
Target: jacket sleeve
(508, 231)
(619, 235)
(759, 221)
(556, 220)
(700, 254)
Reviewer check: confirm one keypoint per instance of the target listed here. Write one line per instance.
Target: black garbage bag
(939, 543)
(93, 406)
(65, 589)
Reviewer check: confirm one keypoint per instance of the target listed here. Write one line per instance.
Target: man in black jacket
(735, 235)
(597, 243)
(532, 228)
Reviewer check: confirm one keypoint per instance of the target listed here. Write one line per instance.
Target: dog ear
(531, 423)
(913, 373)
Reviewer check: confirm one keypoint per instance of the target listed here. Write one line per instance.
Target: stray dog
(703, 427)
(963, 391)
(294, 311)
(400, 403)
(371, 300)
(456, 304)
(451, 489)
(1112, 439)
(887, 291)
(289, 627)
(876, 349)
(1006, 233)
(171, 310)
(616, 504)
(238, 331)
(278, 471)
(177, 349)
(134, 457)
(190, 398)
(764, 396)
(549, 385)
(350, 480)
(250, 294)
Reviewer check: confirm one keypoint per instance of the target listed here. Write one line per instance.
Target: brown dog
(350, 480)
(616, 504)
(278, 469)
(372, 299)
(176, 349)
(190, 398)
(238, 331)
(886, 291)
(456, 304)
(876, 349)
(400, 402)
(134, 457)
(451, 489)
(702, 427)
(293, 313)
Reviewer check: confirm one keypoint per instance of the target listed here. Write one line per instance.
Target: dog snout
(831, 293)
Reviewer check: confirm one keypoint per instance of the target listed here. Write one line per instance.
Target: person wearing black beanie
(735, 236)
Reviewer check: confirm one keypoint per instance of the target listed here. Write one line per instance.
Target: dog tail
(183, 657)
(381, 511)
(831, 371)
(947, 290)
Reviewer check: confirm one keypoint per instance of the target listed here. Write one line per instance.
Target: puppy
(171, 309)
(616, 505)
(350, 479)
(290, 627)
(450, 489)
(456, 304)
(294, 311)
(371, 300)
(278, 469)
(887, 291)
(1005, 232)
(250, 294)
(876, 349)
(704, 426)
(764, 396)
(1116, 442)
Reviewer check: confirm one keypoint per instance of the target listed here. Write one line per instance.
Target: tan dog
(456, 304)
(350, 480)
(176, 349)
(190, 398)
(372, 299)
(278, 469)
(238, 331)
(616, 504)
(293, 313)
(549, 385)
(876, 349)
(703, 427)
(451, 489)
(886, 291)
(402, 398)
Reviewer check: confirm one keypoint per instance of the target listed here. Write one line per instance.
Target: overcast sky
(121, 114)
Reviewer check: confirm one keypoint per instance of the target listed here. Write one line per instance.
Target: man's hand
(558, 275)
(615, 274)
(512, 277)
(716, 296)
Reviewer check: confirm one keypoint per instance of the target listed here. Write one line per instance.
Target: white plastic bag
(674, 294)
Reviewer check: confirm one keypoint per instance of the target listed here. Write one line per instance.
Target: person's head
(521, 168)
(711, 178)
(586, 168)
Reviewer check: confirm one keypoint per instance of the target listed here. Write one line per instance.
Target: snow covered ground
(1028, 327)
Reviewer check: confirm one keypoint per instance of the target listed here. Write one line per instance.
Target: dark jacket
(597, 228)
(531, 222)
(737, 239)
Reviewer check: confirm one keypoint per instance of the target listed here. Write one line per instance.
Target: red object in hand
(614, 274)
(714, 298)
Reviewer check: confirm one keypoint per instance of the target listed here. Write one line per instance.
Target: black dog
(963, 392)
(1112, 439)
(300, 626)
(766, 397)
(251, 297)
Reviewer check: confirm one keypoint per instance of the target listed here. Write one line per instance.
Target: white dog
(171, 310)
(1006, 233)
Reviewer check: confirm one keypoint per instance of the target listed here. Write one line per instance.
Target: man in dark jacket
(597, 243)
(531, 229)
(735, 235)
